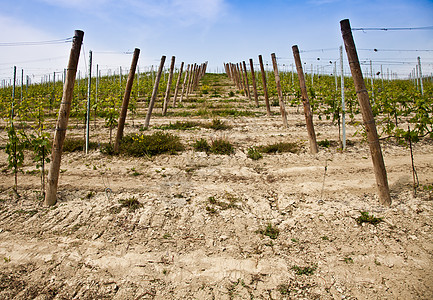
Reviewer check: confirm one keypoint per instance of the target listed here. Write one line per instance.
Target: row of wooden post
(239, 74)
(191, 80)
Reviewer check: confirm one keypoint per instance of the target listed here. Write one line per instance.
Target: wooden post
(184, 82)
(125, 103)
(62, 122)
(154, 93)
(265, 88)
(367, 115)
(176, 90)
(242, 74)
(246, 80)
(305, 101)
(280, 93)
(167, 91)
(253, 76)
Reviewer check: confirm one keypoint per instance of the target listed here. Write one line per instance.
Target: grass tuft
(366, 218)
(131, 203)
(279, 148)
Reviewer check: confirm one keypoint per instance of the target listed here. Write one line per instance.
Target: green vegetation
(365, 217)
(279, 148)
(131, 203)
(149, 145)
(180, 125)
(304, 270)
(222, 146)
(201, 145)
(254, 153)
(270, 231)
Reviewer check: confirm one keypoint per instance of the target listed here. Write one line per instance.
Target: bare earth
(179, 245)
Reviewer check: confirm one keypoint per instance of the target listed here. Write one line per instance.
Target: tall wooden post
(176, 90)
(246, 80)
(184, 82)
(125, 103)
(305, 101)
(367, 115)
(265, 88)
(62, 121)
(253, 76)
(154, 93)
(167, 91)
(280, 93)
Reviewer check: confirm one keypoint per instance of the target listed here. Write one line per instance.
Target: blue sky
(212, 30)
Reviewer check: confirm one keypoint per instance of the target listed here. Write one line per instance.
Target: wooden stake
(62, 121)
(184, 82)
(253, 76)
(125, 103)
(179, 76)
(280, 93)
(154, 93)
(305, 101)
(265, 88)
(167, 91)
(367, 115)
(246, 80)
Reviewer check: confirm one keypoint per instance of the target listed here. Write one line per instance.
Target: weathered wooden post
(125, 103)
(62, 121)
(367, 115)
(176, 90)
(154, 93)
(253, 76)
(305, 101)
(246, 80)
(280, 93)
(265, 88)
(184, 82)
(168, 89)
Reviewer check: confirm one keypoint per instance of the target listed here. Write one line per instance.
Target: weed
(254, 153)
(270, 231)
(304, 270)
(294, 240)
(325, 143)
(231, 94)
(217, 124)
(223, 205)
(211, 210)
(7, 259)
(151, 145)
(366, 218)
(131, 203)
(166, 236)
(180, 126)
(222, 146)
(201, 145)
(90, 194)
(348, 260)
(325, 238)
(77, 144)
(279, 148)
